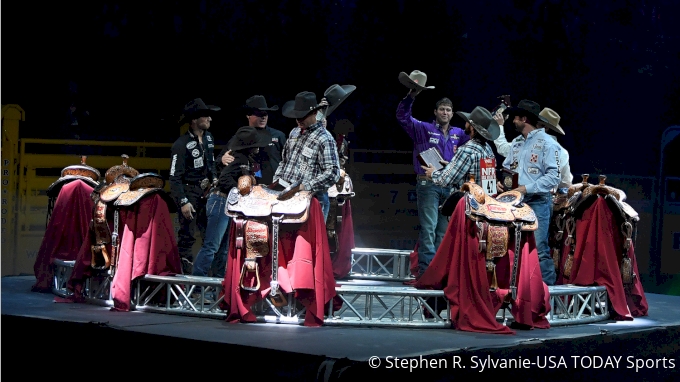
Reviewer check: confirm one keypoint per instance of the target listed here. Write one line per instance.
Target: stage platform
(72, 339)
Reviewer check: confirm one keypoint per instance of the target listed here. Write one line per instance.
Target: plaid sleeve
(453, 173)
(328, 163)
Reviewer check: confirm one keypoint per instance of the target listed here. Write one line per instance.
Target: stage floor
(340, 353)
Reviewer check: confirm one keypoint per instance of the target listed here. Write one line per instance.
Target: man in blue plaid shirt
(472, 156)
(310, 154)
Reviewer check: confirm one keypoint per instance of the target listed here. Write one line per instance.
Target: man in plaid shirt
(310, 154)
(473, 155)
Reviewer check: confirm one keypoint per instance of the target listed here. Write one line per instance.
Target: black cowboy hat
(336, 94)
(260, 103)
(196, 109)
(481, 120)
(304, 104)
(248, 136)
(525, 108)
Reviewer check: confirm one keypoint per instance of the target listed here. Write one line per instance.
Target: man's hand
(227, 158)
(323, 102)
(444, 162)
(414, 92)
(188, 211)
(499, 187)
(521, 189)
(498, 117)
(429, 169)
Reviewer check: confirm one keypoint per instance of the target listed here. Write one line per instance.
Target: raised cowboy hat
(554, 119)
(526, 107)
(248, 136)
(336, 94)
(197, 108)
(482, 121)
(260, 103)
(415, 80)
(304, 104)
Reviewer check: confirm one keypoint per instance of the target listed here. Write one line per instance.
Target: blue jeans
(216, 243)
(541, 203)
(322, 197)
(432, 223)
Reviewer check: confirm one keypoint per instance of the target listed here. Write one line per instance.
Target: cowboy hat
(415, 80)
(304, 104)
(554, 119)
(336, 94)
(260, 103)
(482, 121)
(197, 108)
(525, 108)
(248, 136)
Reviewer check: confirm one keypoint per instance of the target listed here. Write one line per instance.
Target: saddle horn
(114, 172)
(602, 179)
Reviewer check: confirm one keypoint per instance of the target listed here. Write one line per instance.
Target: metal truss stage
(365, 302)
(85, 338)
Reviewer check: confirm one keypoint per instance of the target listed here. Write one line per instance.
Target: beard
(468, 130)
(519, 126)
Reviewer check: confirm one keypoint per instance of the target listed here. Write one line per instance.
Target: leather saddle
(87, 174)
(581, 197)
(338, 194)
(118, 180)
(254, 209)
(495, 218)
(144, 185)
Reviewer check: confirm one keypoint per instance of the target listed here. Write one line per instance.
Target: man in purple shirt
(445, 138)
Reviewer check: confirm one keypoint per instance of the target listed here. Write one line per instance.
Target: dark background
(609, 68)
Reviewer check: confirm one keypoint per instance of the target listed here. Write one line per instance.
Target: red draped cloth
(65, 233)
(147, 247)
(304, 267)
(413, 258)
(597, 259)
(459, 269)
(342, 259)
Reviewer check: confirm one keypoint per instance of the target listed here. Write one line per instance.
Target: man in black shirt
(244, 146)
(268, 159)
(192, 170)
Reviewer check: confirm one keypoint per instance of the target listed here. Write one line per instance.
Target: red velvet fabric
(342, 259)
(304, 267)
(597, 258)
(413, 257)
(147, 246)
(65, 232)
(459, 269)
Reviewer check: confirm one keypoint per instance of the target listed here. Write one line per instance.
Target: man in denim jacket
(536, 159)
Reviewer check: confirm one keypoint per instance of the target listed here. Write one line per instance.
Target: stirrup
(107, 261)
(257, 277)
